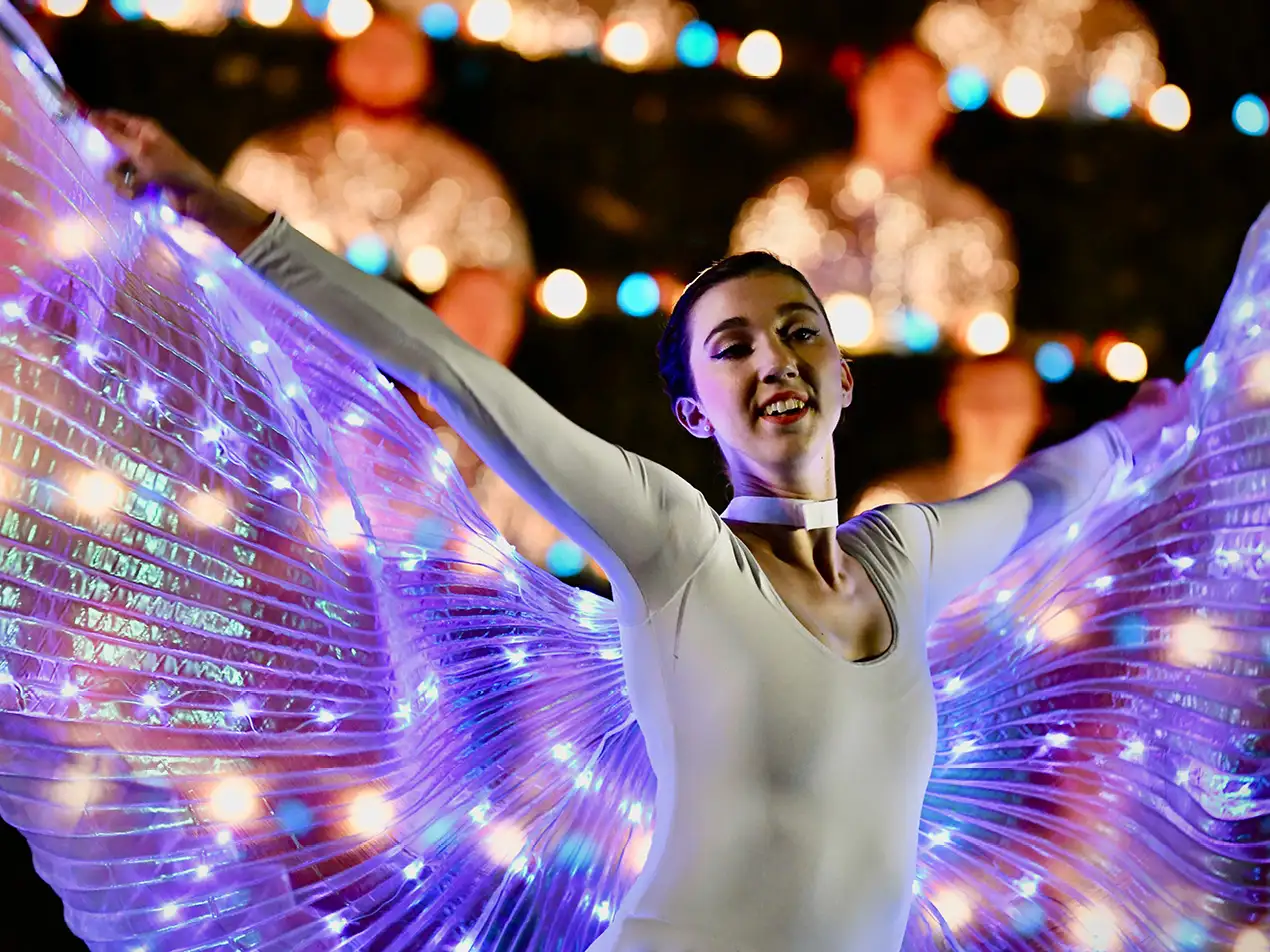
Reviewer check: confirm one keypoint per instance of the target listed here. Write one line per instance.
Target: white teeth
(783, 406)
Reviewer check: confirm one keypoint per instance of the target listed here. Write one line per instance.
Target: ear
(692, 418)
(848, 383)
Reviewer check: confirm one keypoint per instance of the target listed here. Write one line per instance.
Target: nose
(777, 362)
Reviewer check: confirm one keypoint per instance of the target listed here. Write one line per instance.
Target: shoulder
(900, 529)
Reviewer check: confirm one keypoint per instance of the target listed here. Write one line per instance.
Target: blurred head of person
(900, 110)
(749, 361)
(385, 68)
(994, 407)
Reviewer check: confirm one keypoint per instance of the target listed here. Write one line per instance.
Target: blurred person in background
(903, 253)
(994, 408)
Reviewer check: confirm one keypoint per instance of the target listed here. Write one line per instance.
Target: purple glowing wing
(1102, 776)
(268, 679)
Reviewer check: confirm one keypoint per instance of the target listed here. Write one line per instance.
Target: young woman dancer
(775, 659)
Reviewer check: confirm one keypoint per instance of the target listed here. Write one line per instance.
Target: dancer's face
(751, 341)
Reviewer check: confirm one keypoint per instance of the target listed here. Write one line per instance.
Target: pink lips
(785, 419)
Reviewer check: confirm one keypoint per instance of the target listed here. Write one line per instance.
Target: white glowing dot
(147, 394)
(850, 318)
(627, 43)
(1058, 739)
(369, 813)
(516, 656)
(223, 837)
(259, 347)
(603, 911)
(1258, 379)
(72, 237)
(268, 12)
(1023, 92)
(562, 294)
(1126, 361)
(208, 509)
(954, 906)
(69, 690)
(427, 268)
(635, 856)
(1027, 887)
(940, 838)
(414, 870)
(353, 418)
(760, 55)
(1194, 641)
(489, 20)
(337, 923)
(1181, 776)
(12, 310)
(151, 700)
(636, 813)
(963, 747)
(562, 752)
(348, 18)
(233, 800)
(86, 350)
(97, 493)
(325, 717)
(466, 944)
(1063, 625)
(342, 527)
(611, 654)
(987, 333)
(212, 433)
(1134, 750)
(280, 482)
(203, 871)
(954, 684)
(1103, 582)
(239, 709)
(480, 813)
(1073, 531)
(1169, 108)
(169, 910)
(1251, 940)
(292, 390)
(1004, 595)
(65, 8)
(1095, 928)
(6, 677)
(503, 842)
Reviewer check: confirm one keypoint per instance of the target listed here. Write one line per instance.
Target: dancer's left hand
(1157, 411)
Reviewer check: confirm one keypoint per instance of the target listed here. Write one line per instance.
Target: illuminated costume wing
(1101, 782)
(269, 680)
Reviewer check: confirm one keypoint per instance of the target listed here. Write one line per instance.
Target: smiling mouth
(785, 411)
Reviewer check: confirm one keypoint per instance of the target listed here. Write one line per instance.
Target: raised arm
(647, 527)
(969, 538)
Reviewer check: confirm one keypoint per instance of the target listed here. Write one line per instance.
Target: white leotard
(790, 781)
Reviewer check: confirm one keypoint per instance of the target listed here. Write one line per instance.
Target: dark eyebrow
(784, 310)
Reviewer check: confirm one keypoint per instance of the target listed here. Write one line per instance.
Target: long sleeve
(969, 538)
(646, 527)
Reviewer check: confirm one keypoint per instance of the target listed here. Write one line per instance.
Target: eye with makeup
(742, 349)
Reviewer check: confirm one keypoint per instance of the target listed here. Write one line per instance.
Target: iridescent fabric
(269, 680)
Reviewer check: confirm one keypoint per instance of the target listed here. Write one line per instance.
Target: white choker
(776, 511)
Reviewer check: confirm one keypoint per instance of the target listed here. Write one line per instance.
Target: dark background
(1120, 225)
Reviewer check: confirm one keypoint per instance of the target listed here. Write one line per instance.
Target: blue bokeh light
(1027, 917)
(565, 559)
(1054, 362)
(439, 21)
(921, 333)
(128, 9)
(698, 45)
(1251, 116)
(368, 253)
(316, 8)
(967, 88)
(1193, 358)
(638, 295)
(294, 817)
(1110, 98)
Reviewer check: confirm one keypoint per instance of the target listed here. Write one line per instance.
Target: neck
(894, 159)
